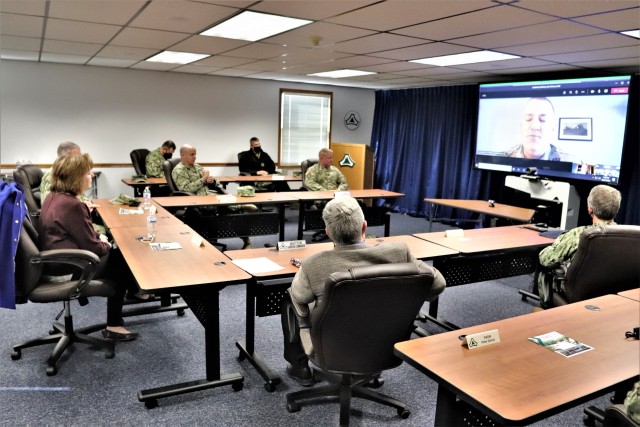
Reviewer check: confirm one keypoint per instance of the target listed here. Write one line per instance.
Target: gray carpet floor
(92, 390)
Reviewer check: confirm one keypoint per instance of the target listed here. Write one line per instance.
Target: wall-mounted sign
(352, 120)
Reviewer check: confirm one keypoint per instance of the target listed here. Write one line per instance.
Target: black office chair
(240, 172)
(613, 416)
(139, 160)
(29, 177)
(304, 166)
(353, 329)
(33, 286)
(606, 262)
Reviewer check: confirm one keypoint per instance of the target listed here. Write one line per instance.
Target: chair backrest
(363, 313)
(30, 177)
(139, 160)
(27, 275)
(167, 167)
(607, 261)
(304, 165)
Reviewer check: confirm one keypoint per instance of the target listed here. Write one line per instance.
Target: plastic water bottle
(151, 223)
(146, 198)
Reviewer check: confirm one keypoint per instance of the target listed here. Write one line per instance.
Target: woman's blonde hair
(68, 174)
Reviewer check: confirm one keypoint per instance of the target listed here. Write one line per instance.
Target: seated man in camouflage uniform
(325, 176)
(190, 176)
(603, 204)
(156, 158)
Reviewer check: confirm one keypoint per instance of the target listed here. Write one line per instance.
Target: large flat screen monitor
(572, 128)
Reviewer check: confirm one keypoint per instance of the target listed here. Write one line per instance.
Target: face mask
(257, 150)
(167, 156)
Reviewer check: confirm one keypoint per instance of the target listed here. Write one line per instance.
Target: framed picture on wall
(575, 129)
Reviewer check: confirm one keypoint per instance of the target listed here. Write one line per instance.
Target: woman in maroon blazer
(65, 223)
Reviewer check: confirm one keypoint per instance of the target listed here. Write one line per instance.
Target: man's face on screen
(538, 127)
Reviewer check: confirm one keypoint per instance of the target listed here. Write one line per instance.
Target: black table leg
(210, 301)
(247, 347)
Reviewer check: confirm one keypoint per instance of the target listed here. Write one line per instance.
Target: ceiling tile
(152, 39)
(312, 10)
(73, 48)
(181, 16)
(325, 34)
(64, 58)
(126, 53)
(60, 29)
(20, 43)
(21, 25)
(32, 7)
(96, 11)
(615, 21)
(599, 41)
(209, 45)
(572, 8)
(196, 69)
(427, 50)
(224, 61)
(111, 62)
(376, 43)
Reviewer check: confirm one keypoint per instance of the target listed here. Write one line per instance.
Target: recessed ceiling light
(465, 58)
(253, 26)
(632, 33)
(172, 57)
(338, 74)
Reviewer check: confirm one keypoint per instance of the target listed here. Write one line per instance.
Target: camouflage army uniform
(319, 178)
(561, 251)
(553, 154)
(189, 178)
(154, 163)
(45, 188)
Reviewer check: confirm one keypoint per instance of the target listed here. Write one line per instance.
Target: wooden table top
(257, 178)
(212, 200)
(189, 266)
(633, 294)
(482, 206)
(421, 249)
(358, 194)
(489, 239)
(113, 219)
(515, 380)
(148, 181)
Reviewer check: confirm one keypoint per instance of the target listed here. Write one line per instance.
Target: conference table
(633, 294)
(483, 207)
(264, 299)
(200, 271)
(138, 185)
(311, 196)
(279, 199)
(117, 216)
(485, 254)
(518, 382)
(250, 179)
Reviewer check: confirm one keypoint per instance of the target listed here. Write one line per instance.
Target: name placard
(454, 233)
(342, 194)
(277, 177)
(227, 198)
(481, 339)
(291, 244)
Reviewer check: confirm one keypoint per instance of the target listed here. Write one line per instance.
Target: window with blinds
(305, 125)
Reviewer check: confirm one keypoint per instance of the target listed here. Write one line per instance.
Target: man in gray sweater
(346, 226)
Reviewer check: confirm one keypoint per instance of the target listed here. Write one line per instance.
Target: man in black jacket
(258, 163)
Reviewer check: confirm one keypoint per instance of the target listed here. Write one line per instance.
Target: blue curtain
(423, 141)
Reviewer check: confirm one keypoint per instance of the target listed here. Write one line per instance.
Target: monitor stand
(551, 196)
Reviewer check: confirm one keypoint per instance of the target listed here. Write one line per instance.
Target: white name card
(342, 194)
(454, 233)
(291, 244)
(227, 198)
(481, 339)
(197, 241)
(277, 177)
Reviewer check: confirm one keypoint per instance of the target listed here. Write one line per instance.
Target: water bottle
(151, 223)
(146, 198)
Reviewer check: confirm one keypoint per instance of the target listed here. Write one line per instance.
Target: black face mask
(167, 156)
(257, 150)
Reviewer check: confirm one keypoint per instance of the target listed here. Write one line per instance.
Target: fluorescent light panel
(253, 26)
(465, 58)
(339, 74)
(632, 33)
(172, 57)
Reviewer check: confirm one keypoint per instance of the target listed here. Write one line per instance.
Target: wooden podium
(355, 161)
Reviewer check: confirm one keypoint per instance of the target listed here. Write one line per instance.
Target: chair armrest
(85, 261)
(244, 174)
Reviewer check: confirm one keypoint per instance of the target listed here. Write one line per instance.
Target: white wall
(108, 112)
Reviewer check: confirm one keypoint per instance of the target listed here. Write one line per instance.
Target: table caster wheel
(180, 313)
(270, 387)
(293, 407)
(150, 404)
(404, 413)
(109, 354)
(241, 356)
(51, 370)
(17, 354)
(237, 386)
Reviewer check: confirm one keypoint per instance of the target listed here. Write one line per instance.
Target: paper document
(257, 265)
(557, 342)
(165, 246)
